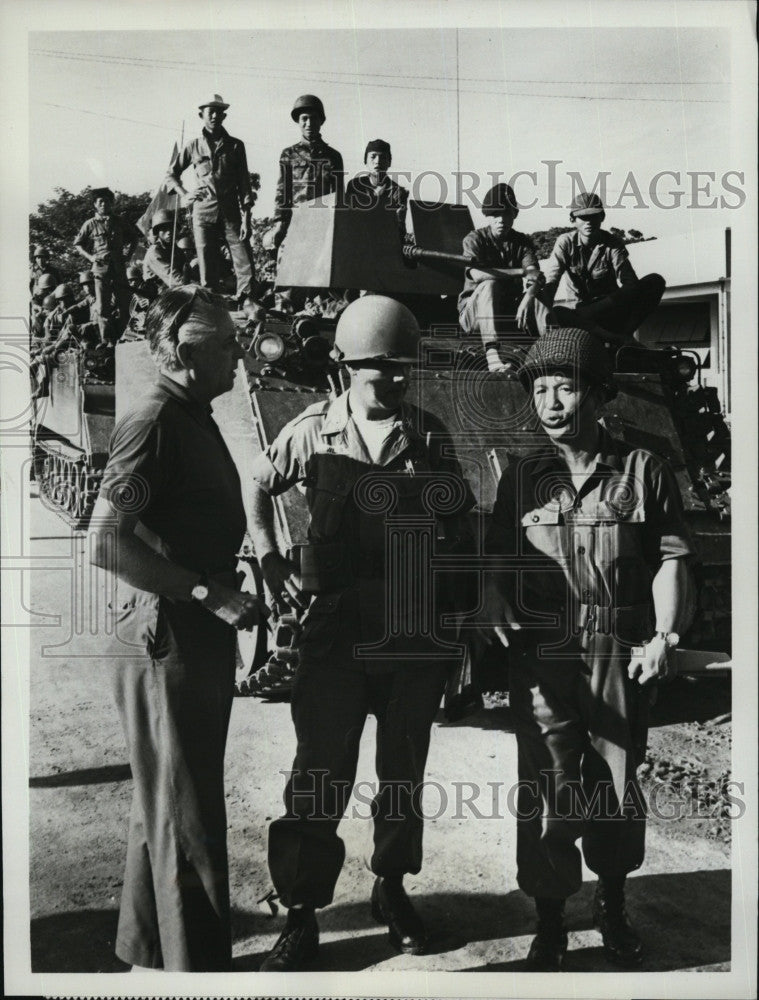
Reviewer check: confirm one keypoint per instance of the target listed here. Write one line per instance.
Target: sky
(107, 106)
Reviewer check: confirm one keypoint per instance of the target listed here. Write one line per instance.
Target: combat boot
(297, 945)
(549, 946)
(391, 906)
(621, 942)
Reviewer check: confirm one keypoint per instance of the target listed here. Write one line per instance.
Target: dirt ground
(80, 789)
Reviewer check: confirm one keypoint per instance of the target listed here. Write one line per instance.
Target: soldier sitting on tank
(164, 263)
(373, 189)
(107, 240)
(354, 454)
(41, 265)
(44, 286)
(39, 317)
(72, 322)
(191, 268)
(610, 300)
(493, 306)
(309, 169)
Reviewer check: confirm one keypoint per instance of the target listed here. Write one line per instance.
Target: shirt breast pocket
(203, 166)
(542, 531)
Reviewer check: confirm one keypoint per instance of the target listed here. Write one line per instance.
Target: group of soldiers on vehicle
(609, 299)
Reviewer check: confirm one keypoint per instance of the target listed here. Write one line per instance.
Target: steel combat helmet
(376, 328)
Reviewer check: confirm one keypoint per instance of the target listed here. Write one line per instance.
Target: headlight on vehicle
(269, 347)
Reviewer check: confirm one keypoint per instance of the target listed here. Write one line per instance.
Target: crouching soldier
(590, 611)
(163, 266)
(609, 298)
(492, 305)
(364, 649)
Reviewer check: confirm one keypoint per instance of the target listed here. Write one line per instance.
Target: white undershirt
(375, 433)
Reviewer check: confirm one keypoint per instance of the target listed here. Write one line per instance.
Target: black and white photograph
(378, 587)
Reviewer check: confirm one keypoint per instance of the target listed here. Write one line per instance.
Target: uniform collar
(338, 421)
(608, 455)
(166, 385)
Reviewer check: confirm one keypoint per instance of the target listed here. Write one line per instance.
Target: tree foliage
(56, 222)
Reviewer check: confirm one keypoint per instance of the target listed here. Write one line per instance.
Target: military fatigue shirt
(107, 234)
(361, 193)
(592, 271)
(221, 168)
(307, 170)
(513, 250)
(585, 559)
(352, 503)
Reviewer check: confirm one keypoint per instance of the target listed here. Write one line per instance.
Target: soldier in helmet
(590, 607)
(42, 265)
(164, 263)
(44, 285)
(64, 298)
(491, 305)
(374, 189)
(608, 297)
(108, 240)
(349, 452)
(307, 170)
(222, 201)
(191, 270)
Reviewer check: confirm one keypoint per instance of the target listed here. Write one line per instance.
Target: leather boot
(621, 942)
(391, 906)
(549, 946)
(297, 945)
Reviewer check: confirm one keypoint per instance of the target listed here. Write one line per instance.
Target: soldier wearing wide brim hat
(605, 294)
(221, 201)
(594, 529)
(217, 101)
(107, 241)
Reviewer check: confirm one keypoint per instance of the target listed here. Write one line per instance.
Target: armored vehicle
(74, 405)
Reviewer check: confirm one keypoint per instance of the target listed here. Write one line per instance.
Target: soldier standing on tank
(309, 169)
(171, 493)
(164, 262)
(373, 189)
(598, 588)
(350, 452)
(610, 300)
(221, 202)
(495, 306)
(108, 240)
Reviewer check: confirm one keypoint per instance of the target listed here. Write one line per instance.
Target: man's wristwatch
(671, 639)
(200, 591)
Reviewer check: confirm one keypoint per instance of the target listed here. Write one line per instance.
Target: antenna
(458, 127)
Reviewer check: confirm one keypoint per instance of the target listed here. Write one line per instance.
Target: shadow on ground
(86, 776)
(684, 919)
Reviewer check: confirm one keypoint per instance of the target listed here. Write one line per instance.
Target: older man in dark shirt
(222, 201)
(171, 494)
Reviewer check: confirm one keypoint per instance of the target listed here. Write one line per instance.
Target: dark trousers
(329, 709)
(577, 729)
(208, 239)
(622, 311)
(175, 705)
(112, 286)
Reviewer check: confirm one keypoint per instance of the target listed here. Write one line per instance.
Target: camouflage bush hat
(569, 349)
(586, 204)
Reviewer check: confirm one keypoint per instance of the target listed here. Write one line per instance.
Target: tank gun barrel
(417, 253)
